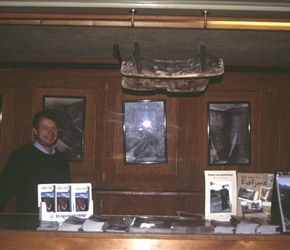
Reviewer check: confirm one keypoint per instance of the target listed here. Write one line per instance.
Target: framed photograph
(71, 114)
(144, 128)
(229, 133)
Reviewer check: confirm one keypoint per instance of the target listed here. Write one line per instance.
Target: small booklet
(94, 223)
(63, 197)
(187, 215)
(46, 193)
(119, 224)
(72, 224)
(254, 194)
(220, 194)
(82, 197)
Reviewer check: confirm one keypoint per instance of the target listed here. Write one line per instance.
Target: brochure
(220, 194)
(254, 194)
(280, 213)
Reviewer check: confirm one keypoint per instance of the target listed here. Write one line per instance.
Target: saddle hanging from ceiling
(190, 75)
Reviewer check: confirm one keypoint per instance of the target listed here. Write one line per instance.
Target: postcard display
(254, 194)
(220, 195)
(59, 201)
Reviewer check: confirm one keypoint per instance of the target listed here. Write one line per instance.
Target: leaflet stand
(79, 201)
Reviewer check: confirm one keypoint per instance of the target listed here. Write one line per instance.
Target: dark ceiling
(236, 46)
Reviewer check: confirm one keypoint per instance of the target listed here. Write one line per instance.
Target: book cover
(254, 194)
(220, 194)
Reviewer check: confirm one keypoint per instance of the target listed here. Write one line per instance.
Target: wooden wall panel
(6, 125)
(226, 96)
(154, 189)
(284, 130)
(138, 203)
(116, 174)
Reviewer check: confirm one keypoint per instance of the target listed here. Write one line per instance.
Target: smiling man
(32, 164)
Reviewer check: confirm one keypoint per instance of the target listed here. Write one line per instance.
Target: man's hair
(49, 114)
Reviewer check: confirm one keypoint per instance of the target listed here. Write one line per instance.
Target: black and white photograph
(252, 207)
(71, 115)
(144, 132)
(220, 197)
(266, 195)
(247, 194)
(229, 137)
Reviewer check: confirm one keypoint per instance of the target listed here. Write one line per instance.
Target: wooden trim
(114, 65)
(145, 21)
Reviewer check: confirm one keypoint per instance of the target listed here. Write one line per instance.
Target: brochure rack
(57, 202)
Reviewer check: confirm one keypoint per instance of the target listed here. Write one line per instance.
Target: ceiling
(171, 30)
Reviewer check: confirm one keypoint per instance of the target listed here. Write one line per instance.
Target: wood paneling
(284, 130)
(142, 176)
(6, 125)
(154, 188)
(144, 203)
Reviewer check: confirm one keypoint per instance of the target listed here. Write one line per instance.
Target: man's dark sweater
(26, 168)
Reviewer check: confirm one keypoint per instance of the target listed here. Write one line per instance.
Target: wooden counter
(19, 239)
(32, 239)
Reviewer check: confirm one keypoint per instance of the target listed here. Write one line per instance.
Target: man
(224, 197)
(32, 164)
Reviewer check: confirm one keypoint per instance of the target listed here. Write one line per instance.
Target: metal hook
(205, 13)
(133, 11)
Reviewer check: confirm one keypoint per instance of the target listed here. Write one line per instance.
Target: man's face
(47, 133)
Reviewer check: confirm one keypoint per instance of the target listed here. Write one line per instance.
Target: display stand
(57, 202)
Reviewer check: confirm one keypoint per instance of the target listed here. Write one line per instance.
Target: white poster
(220, 195)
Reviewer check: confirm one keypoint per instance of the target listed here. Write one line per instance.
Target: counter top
(19, 232)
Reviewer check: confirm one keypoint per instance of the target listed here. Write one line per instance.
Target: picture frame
(71, 114)
(229, 133)
(144, 127)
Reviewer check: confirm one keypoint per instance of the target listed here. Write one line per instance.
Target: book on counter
(163, 224)
(118, 224)
(254, 194)
(220, 194)
(72, 223)
(253, 225)
(94, 223)
(223, 227)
